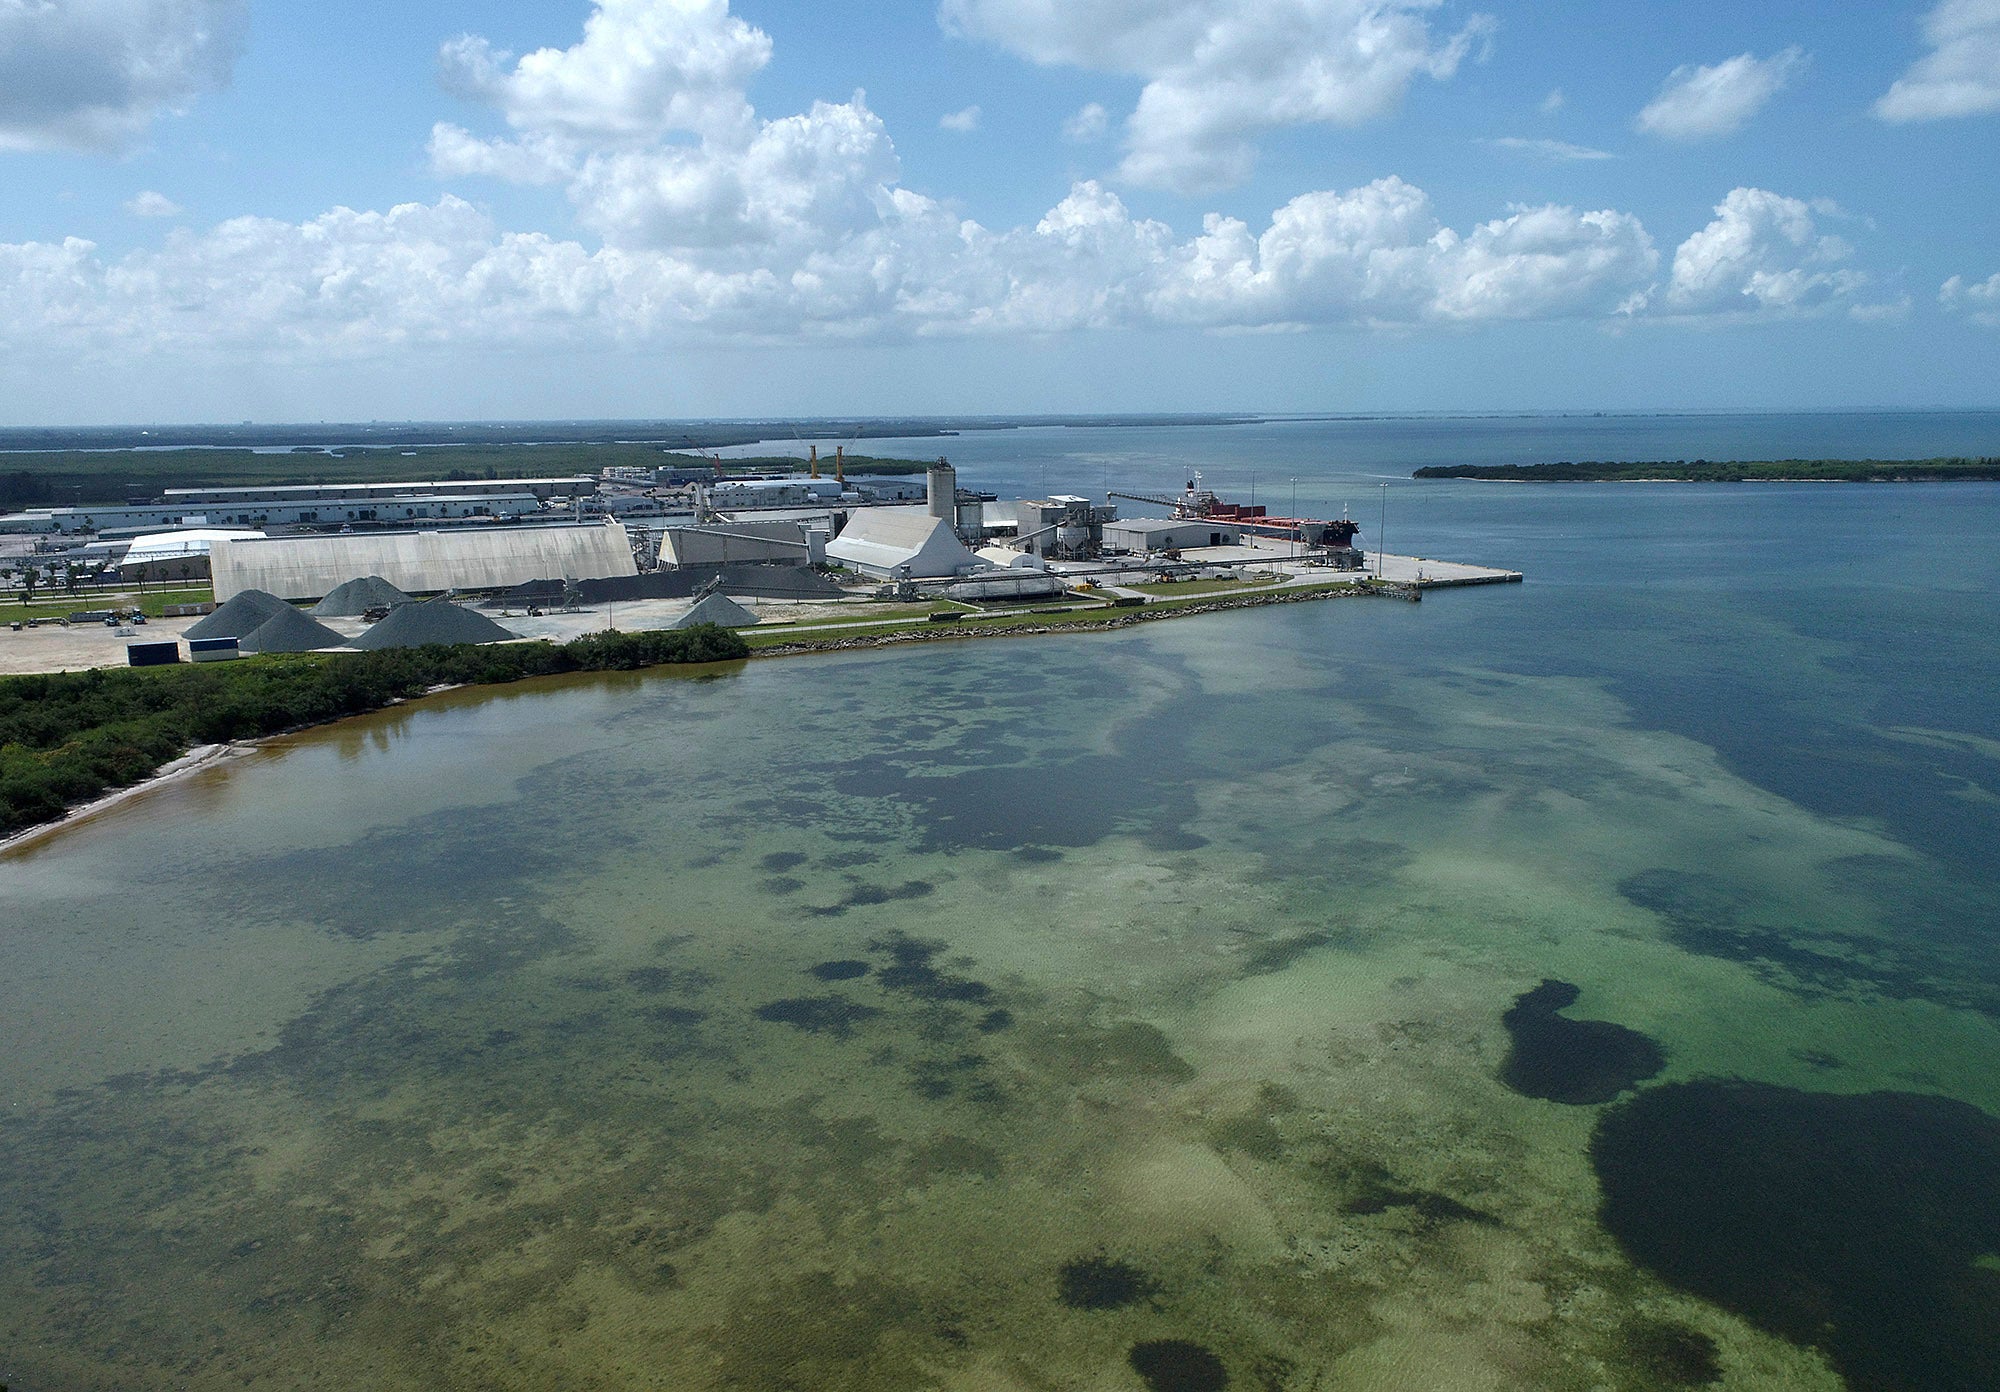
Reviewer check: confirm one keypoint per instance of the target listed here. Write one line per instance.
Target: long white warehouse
(309, 567)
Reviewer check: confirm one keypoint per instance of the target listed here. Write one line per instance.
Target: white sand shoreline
(200, 757)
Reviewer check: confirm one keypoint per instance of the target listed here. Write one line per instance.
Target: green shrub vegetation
(68, 737)
(798, 464)
(59, 478)
(1721, 471)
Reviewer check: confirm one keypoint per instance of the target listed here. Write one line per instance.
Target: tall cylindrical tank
(942, 491)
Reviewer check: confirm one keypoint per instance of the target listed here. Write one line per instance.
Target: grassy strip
(890, 614)
(761, 639)
(1179, 589)
(900, 617)
(60, 604)
(780, 644)
(1713, 471)
(66, 738)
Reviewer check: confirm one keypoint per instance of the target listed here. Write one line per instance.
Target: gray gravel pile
(716, 609)
(239, 616)
(352, 598)
(432, 621)
(291, 632)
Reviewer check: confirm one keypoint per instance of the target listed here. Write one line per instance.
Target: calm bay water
(1073, 1012)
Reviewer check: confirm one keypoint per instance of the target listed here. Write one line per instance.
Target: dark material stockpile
(432, 621)
(352, 598)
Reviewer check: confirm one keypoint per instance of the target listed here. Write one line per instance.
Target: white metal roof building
(167, 554)
(1007, 558)
(574, 485)
(258, 509)
(1168, 533)
(473, 558)
(731, 494)
(891, 543)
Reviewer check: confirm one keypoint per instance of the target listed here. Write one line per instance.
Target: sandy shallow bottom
(770, 1033)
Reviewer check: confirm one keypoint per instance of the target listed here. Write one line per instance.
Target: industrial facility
(699, 547)
(487, 558)
(356, 505)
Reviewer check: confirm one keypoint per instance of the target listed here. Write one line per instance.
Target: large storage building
(735, 494)
(283, 507)
(1168, 533)
(736, 542)
(475, 558)
(175, 555)
(901, 543)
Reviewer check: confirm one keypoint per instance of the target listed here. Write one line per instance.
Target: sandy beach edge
(194, 761)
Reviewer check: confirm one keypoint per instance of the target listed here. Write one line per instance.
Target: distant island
(1729, 471)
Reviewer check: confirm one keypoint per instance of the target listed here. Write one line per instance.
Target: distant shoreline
(1943, 470)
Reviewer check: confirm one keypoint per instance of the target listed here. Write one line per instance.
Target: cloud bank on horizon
(679, 214)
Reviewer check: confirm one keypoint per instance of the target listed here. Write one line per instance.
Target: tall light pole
(1295, 518)
(1381, 531)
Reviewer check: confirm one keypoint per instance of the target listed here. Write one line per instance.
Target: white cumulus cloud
(1547, 149)
(152, 205)
(1960, 76)
(1377, 254)
(363, 284)
(643, 68)
(964, 122)
(646, 126)
(716, 224)
(1763, 253)
(1700, 103)
(1088, 125)
(799, 182)
(91, 75)
(1978, 301)
(1219, 73)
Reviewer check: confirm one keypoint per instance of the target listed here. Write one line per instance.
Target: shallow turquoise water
(798, 1026)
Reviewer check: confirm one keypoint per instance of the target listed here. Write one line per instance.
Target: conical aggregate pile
(352, 598)
(716, 609)
(432, 621)
(239, 616)
(291, 632)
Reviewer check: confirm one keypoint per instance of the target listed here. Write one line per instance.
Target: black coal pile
(352, 598)
(239, 616)
(290, 632)
(432, 621)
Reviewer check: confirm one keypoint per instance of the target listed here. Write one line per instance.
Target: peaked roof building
(892, 543)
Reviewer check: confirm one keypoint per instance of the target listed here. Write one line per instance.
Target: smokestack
(815, 459)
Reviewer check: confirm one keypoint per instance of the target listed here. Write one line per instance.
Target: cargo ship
(1335, 536)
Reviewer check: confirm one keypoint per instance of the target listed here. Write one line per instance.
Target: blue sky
(226, 209)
